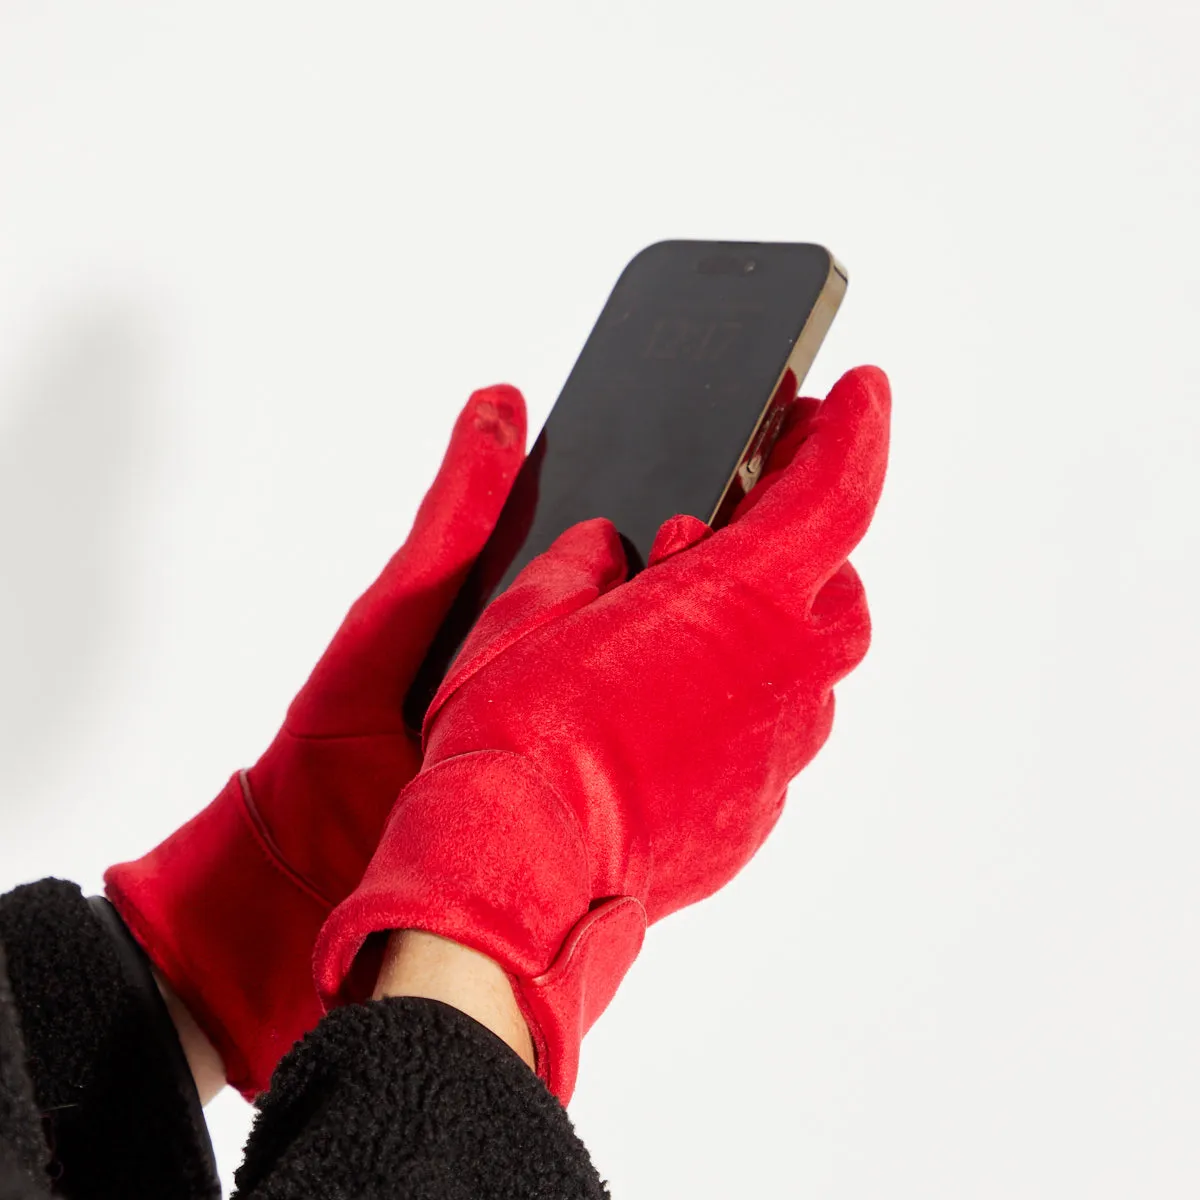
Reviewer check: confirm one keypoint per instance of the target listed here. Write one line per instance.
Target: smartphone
(672, 407)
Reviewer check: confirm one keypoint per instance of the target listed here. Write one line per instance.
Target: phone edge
(804, 352)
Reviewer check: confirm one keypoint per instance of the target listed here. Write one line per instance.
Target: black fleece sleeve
(23, 1152)
(412, 1099)
(118, 1105)
(406, 1099)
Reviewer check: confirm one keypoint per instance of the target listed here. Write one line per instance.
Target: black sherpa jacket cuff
(403, 1097)
(23, 1152)
(410, 1097)
(119, 1107)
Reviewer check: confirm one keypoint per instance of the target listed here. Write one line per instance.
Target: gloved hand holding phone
(604, 752)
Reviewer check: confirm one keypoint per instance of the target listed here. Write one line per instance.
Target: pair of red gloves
(603, 752)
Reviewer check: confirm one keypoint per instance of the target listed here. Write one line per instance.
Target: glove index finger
(818, 508)
(458, 513)
(385, 635)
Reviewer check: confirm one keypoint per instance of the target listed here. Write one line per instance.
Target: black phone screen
(656, 413)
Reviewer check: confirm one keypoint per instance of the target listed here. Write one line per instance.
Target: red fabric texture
(605, 751)
(229, 906)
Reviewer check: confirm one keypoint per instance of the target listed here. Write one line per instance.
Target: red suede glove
(228, 907)
(604, 752)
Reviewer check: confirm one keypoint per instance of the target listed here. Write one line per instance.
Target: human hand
(228, 907)
(604, 752)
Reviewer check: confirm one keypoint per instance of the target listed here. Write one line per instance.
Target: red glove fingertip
(498, 413)
(675, 534)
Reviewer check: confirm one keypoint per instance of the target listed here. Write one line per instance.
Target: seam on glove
(258, 827)
(610, 909)
(530, 767)
(562, 975)
(374, 735)
(462, 673)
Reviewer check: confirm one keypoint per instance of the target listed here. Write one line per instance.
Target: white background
(253, 257)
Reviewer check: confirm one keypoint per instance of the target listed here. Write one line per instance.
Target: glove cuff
(231, 929)
(561, 1005)
(481, 850)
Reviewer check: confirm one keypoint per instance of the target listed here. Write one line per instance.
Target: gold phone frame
(758, 446)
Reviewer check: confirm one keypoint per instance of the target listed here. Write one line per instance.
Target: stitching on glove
(610, 909)
(399, 735)
(462, 672)
(531, 768)
(273, 854)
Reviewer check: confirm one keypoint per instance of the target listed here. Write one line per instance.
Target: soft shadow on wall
(73, 458)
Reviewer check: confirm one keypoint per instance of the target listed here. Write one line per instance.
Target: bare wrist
(207, 1069)
(423, 964)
